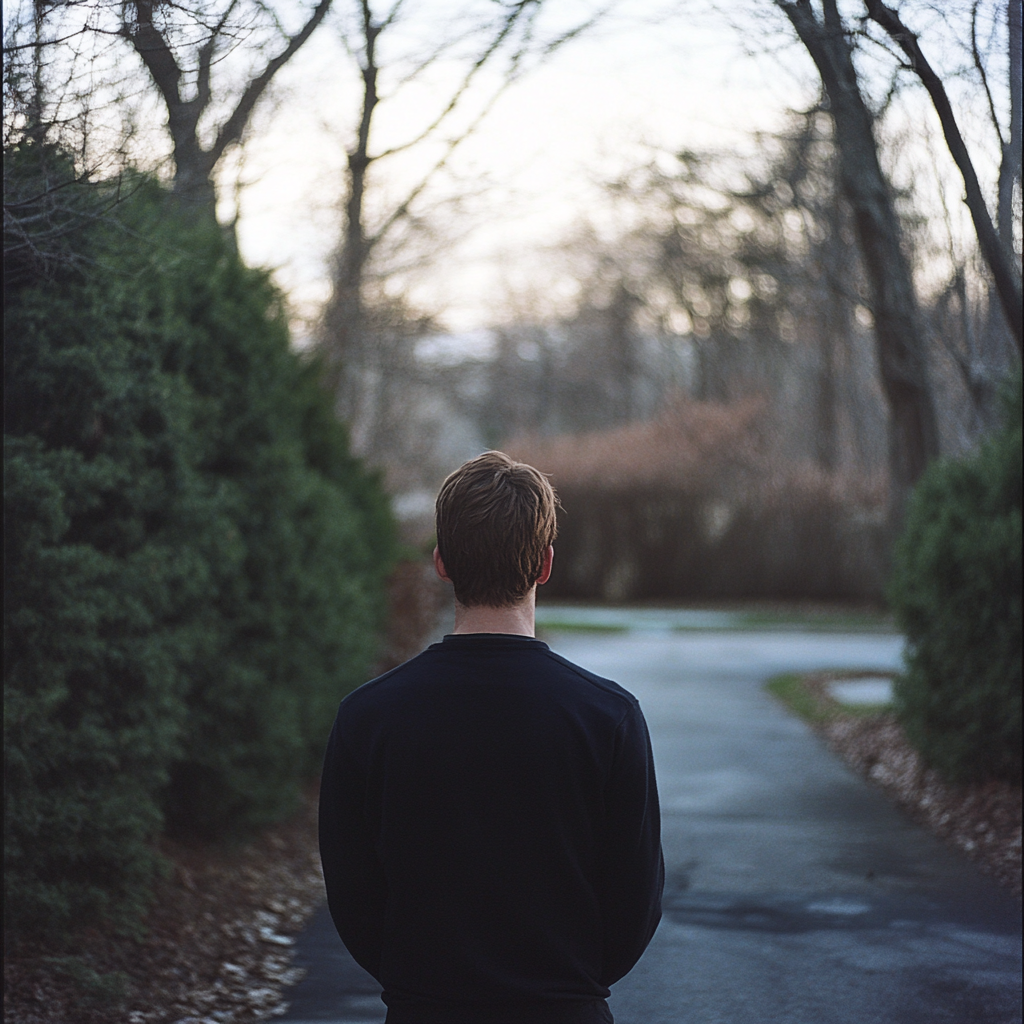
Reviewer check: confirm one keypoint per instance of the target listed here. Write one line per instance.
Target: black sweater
(490, 833)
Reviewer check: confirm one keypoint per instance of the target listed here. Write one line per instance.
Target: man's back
(490, 833)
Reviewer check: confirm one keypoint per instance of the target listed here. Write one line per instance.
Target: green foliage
(956, 593)
(48, 212)
(97, 990)
(194, 563)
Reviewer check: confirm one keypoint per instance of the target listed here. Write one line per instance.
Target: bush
(297, 617)
(194, 564)
(667, 541)
(100, 575)
(956, 593)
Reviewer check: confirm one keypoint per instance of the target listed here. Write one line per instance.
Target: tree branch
(1009, 166)
(500, 37)
(39, 44)
(231, 131)
(393, 15)
(1007, 282)
(979, 65)
(402, 210)
(155, 53)
(206, 52)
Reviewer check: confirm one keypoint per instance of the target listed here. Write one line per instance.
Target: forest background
(710, 269)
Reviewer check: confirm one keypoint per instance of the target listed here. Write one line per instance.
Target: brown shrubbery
(698, 504)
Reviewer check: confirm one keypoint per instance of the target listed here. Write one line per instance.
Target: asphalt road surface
(795, 892)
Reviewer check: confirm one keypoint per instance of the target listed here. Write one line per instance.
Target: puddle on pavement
(798, 913)
(781, 916)
(863, 691)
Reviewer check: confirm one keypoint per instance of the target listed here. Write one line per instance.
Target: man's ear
(439, 566)
(545, 572)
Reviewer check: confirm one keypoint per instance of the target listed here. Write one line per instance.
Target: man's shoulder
(536, 661)
(607, 687)
(381, 685)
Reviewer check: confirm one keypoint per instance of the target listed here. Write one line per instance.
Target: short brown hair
(495, 519)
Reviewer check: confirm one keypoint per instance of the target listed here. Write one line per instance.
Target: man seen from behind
(489, 823)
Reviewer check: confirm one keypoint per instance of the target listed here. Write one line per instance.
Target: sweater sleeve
(633, 866)
(353, 875)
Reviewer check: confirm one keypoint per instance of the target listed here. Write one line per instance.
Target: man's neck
(519, 619)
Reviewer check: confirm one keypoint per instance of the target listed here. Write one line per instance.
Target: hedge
(956, 593)
(194, 564)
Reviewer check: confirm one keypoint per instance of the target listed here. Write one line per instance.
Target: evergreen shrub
(956, 593)
(194, 564)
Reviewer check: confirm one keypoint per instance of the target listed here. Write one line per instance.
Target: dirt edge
(982, 821)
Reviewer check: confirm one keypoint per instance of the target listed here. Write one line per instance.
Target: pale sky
(640, 78)
(584, 114)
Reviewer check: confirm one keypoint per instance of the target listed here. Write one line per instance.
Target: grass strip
(852, 622)
(581, 627)
(790, 689)
(814, 704)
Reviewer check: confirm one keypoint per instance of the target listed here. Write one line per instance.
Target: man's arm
(356, 889)
(633, 866)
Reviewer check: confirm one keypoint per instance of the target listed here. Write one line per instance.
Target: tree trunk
(834, 329)
(913, 433)
(354, 373)
(193, 170)
(1009, 167)
(623, 356)
(826, 449)
(1005, 275)
(994, 335)
(194, 165)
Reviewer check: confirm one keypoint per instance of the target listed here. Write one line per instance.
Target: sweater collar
(490, 641)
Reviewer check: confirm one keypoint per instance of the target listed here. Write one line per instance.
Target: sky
(640, 78)
(649, 74)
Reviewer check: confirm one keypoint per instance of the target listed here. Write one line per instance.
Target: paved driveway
(796, 894)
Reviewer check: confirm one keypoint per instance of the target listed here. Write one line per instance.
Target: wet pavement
(795, 892)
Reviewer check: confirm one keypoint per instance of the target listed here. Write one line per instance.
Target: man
(489, 822)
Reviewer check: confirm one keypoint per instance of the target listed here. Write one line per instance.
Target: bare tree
(507, 33)
(898, 328)
(1009, 141)
(44, 198)
(210, 61)
(150, 27)
(1005, 275)
(728, 280)
(760, 261)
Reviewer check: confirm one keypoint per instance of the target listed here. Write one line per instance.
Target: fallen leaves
(219, 939)
(982, 820)
(218, 947)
